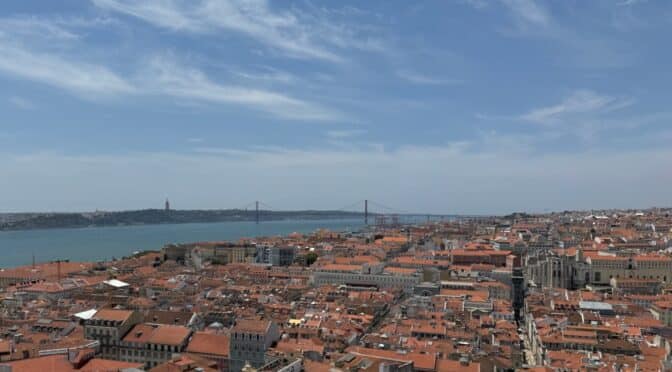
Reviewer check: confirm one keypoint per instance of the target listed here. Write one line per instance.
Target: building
(468, 257)
(27, 275)
(153, 344)
(249, 341)
(572, 268)
(227, 253)
(109, 326)
(636, 286)
(518, 293)
(212, 346)
(275, 255)
(364, 275)
(662, 310)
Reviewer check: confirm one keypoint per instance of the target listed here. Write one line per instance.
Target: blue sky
(464, 106)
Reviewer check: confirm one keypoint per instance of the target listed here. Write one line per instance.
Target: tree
(311, 258)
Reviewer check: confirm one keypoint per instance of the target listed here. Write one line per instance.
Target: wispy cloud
(631, 2)
(30, 48)
(422, 79)
(582, 47)
(298, 34)
(25, 54)
(170, 78)
(523, 11)
(342, 134)
(222, 151)
(84, 79)
(339, 177)
(268, 74)
(21, 103)
(478, 4)
(46, 28)
(579, 102)
(528, 12)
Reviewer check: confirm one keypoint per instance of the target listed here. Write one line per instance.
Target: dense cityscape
(569, 291)
(335, 186)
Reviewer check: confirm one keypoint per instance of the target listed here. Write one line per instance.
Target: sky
(447, 107)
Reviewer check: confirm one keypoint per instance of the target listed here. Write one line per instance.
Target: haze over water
(102, 243)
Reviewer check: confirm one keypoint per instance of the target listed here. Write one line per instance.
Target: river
(102, 243)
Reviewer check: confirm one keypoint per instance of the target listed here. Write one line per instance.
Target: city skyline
(460, 107)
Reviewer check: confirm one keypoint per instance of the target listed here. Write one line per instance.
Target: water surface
(100, 243)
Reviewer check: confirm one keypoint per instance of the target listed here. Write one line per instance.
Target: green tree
(311, 258)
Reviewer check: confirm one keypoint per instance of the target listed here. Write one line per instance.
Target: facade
(573, 269)
(108, 326)
(275, 255)
(153, 344)
(602, 268)
(662, 310)
(230, 253)
(469, 257)
(27, 275)
(355, 275)
(249, 341)
(212, 346)
(518, 293)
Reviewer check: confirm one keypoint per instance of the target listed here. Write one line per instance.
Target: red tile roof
(159, 334)
(209, 343)
(113, 315)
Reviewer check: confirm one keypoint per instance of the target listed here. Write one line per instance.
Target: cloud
(222, 151)
(417, 78)
(523, 11)
(83, 79)
(478, 4)
(50, 29)
(297, 34)
(631, 2)
(440, 179)
(32, 48)
(583, 47)
(269, 74)
(21, 103)
(50, 51)
(342, 134)
(528, 12)
(579, 102)
(169, 78)
(163, 76)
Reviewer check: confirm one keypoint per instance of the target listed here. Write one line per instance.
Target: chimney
(72, 355)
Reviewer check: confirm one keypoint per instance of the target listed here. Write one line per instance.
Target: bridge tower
(366, 212)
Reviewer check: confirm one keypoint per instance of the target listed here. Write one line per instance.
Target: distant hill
(28, 221)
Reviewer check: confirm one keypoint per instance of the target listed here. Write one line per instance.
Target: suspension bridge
(372, 213)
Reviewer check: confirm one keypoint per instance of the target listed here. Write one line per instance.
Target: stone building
(109, 326)
(249, 341)
(153, 344)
